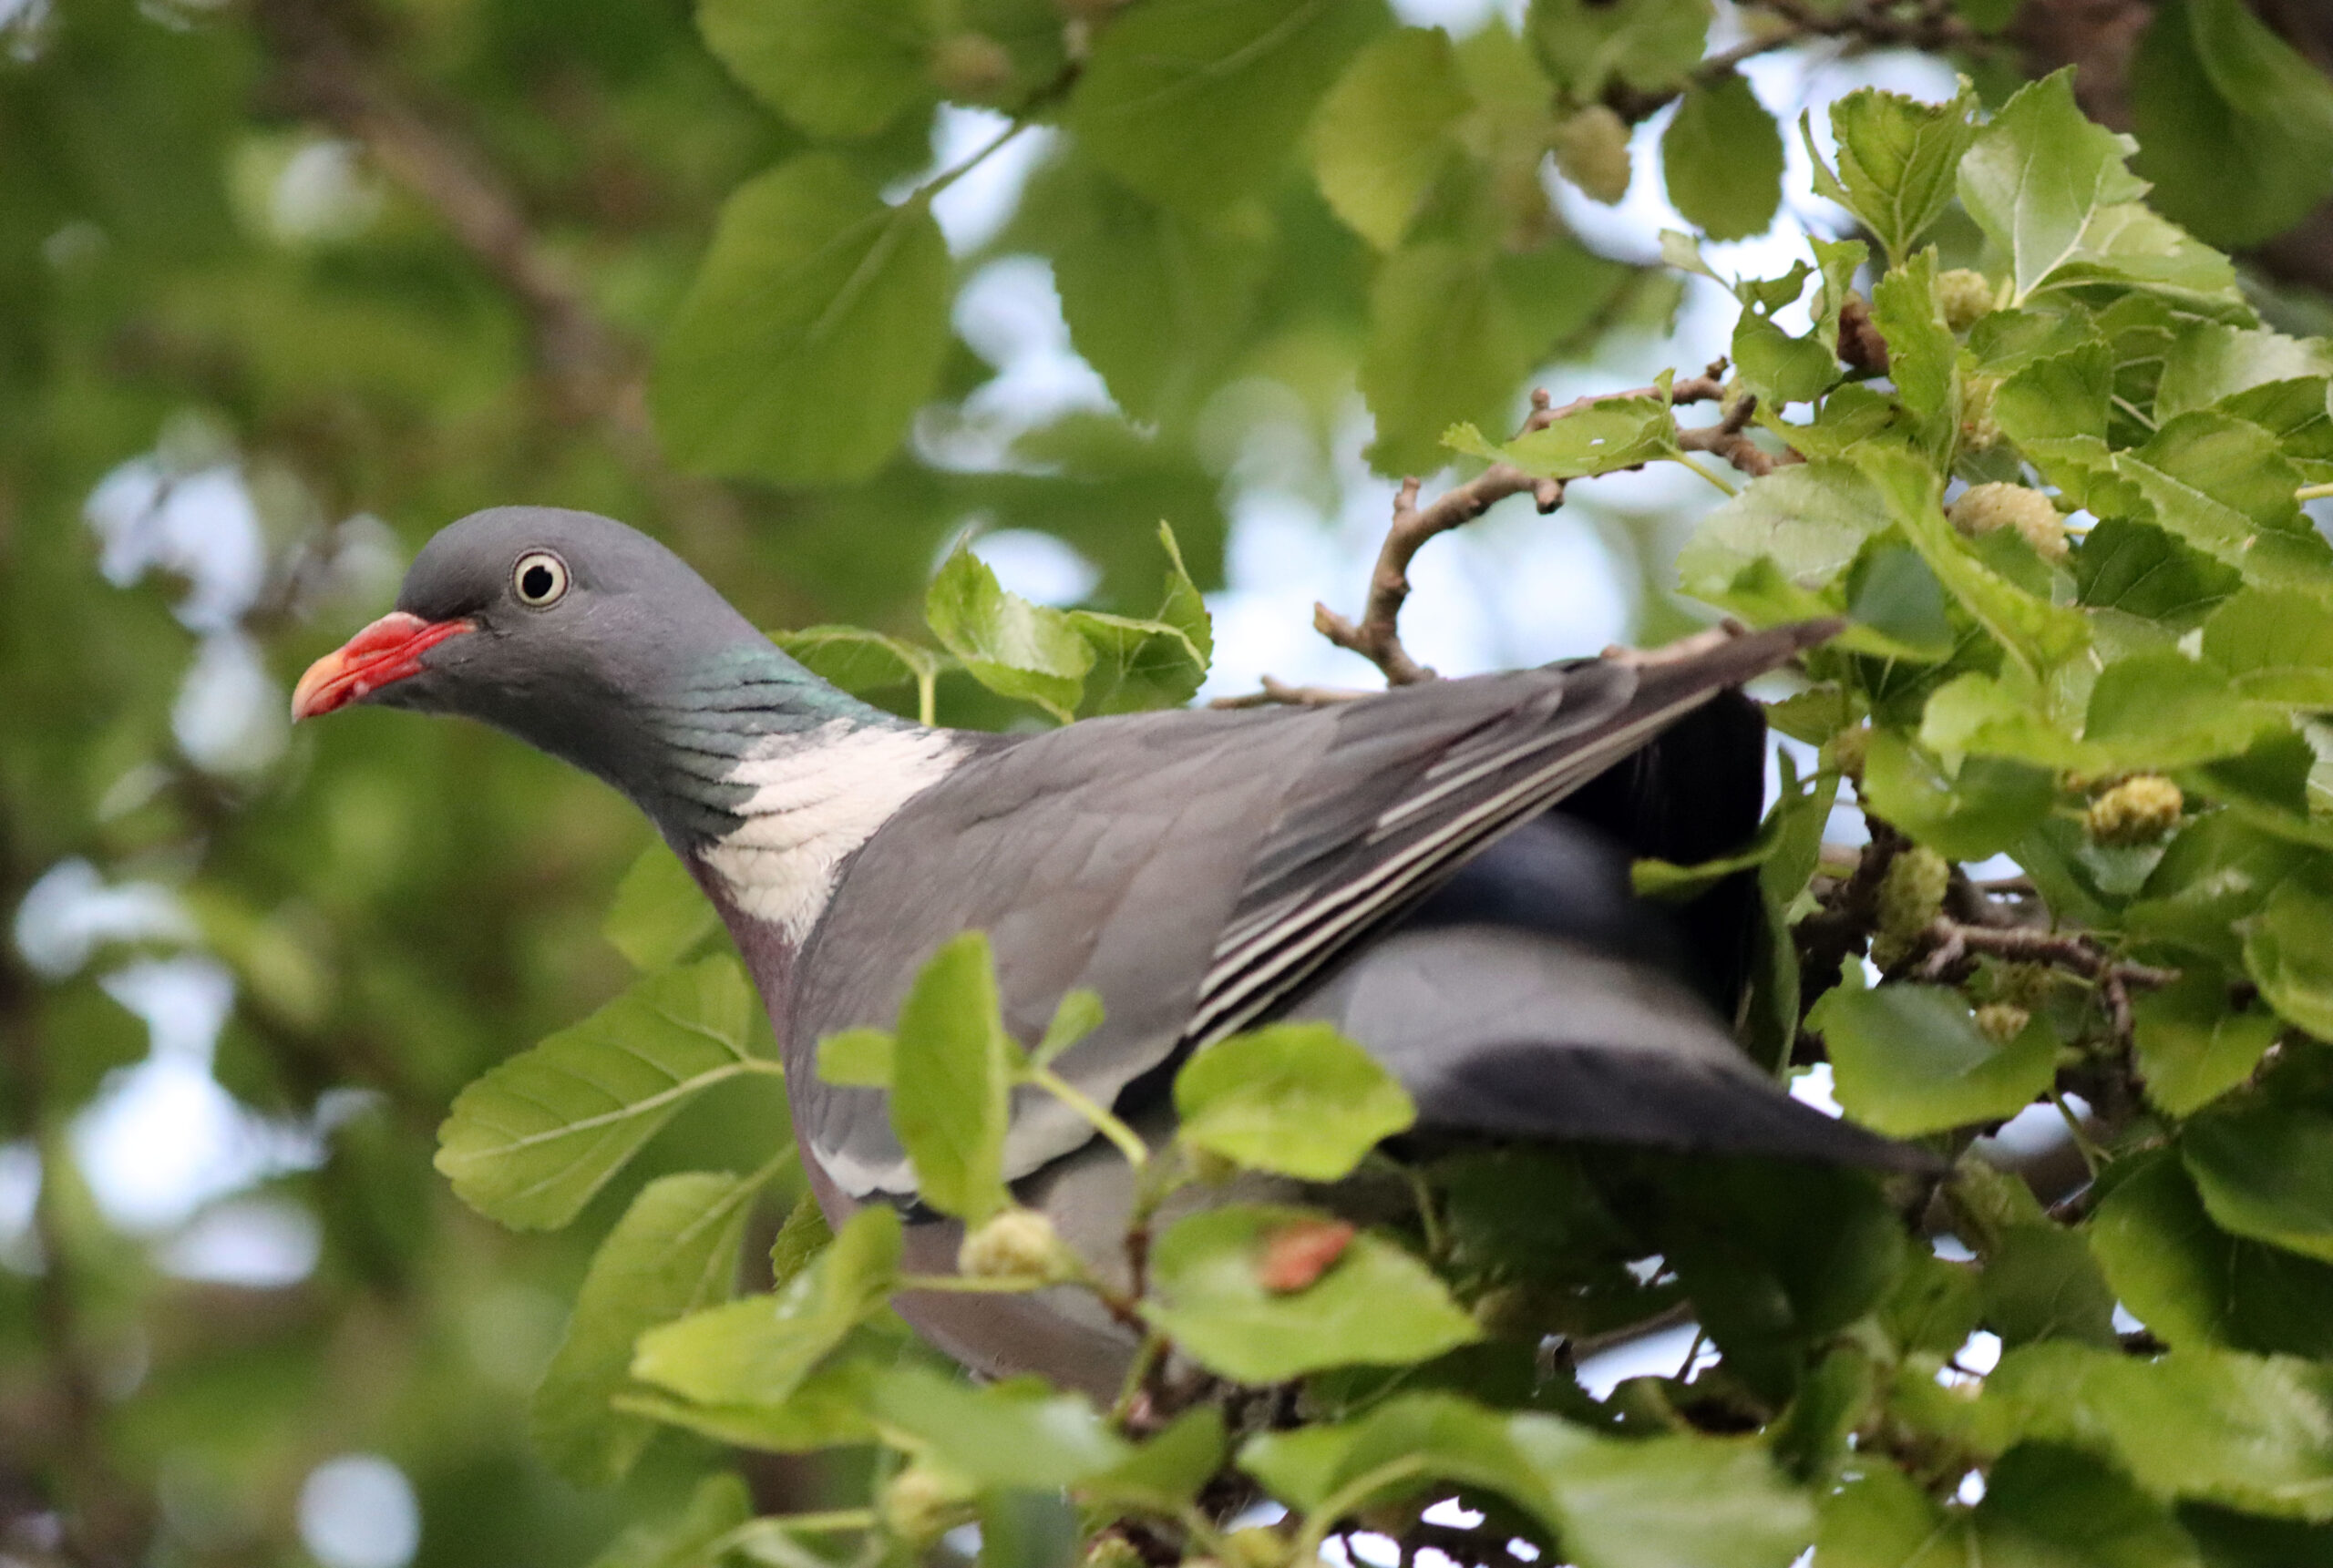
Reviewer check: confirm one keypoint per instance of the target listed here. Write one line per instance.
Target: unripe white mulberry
(2138, 810)
(2001, 1022)
(1910, 896)
(1255, 1547)
(1849, 748)
(1113, 1550)
(1592, 151)
(1018, 1244)
(921, 1504)
(1982, 509)
(1964, 296)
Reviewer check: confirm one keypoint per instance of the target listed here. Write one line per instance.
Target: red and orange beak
(385, 652)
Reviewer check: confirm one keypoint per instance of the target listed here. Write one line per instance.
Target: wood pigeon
(1390, 864)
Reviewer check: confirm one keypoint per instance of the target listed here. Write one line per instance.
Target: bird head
(579, 636)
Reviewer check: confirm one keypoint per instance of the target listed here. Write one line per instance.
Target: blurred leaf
(2191, 1048)
(1406, 1443)
(529, 1143)
(759, 1350)
(835, 68)
(717, 1506)
(1444, 344)
(1988, 805)
(1374, 1305)
(1027, 1529)
(659, 914)
(2235, 126)
(816, 327)
(2046, 1503)
(1297, 1099)
(1012, 646)
(1165, 1474)
(2288, 951)
(801, 1239)
(859, 661)
(2192, 1283)
(1647, 45)
(856, 1057)
(1021, 1433)
(673, 1253)
(2266, 1171)
(1897, 159)
(1618, 1499)
(2039, 1282)
(952, 1070)
(1197, 102)
(1617, 432)
(828, 1409)
(1721, 158)
(1908, 1059)
(1387, 128)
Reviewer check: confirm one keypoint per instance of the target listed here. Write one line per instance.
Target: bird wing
(1200, 869)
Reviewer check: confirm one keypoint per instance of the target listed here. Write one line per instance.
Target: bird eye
(539, 578)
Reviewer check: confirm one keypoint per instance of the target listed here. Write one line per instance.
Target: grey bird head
(590, 641)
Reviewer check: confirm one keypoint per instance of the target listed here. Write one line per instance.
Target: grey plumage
(1202, 871)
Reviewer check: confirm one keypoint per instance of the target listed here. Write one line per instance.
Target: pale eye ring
(539, 580)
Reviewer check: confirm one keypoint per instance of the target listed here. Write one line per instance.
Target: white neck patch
(817, 797)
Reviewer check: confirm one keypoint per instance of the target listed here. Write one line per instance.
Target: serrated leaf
(2276, 646)
(1374, 1305)
(1385, 131)
(952, 1072)
(659, 914)
(1909, 1059)
(1897, 160)
(1197, 102)
(2039, 1282)
(1022, 1433)
(1721, 158)
(1923, 360)
(835, 68)
(859, 661)
(1299, 1099)
(673, 1253)
(759, 1351)
(801, 1238)
(815, 326)
(529, 1143)
(2140, 569)
(1981, 808)
(1811, 519)
(2192, 1046)
(2288, 951)
(2192, 1283)
(2211, 361)
(1610, 433)
(1619, 1498)
(2220, 483)
(2266, 1171)
(1009, 645)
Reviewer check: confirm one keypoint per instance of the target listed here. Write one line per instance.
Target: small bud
(1018, 1244)
(1982, 509)
(1979, 431)
(2001, 1022)
(1255, 1547)
(921, 1504)
(1592, 153)
(2138, 810)
(1964, 296)
(1849, 748)
(970, 66)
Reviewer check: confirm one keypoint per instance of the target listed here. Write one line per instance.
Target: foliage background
(286, 284)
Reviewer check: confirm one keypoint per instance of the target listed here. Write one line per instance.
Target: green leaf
(1881, 1518)
(673, 1253)
(2288, 951)
(2220, 483)
(1610, 433)
(759, 1351)
(2039, 1282)
(1297, 1099)
(952, 1072)
(1196, 102)
(835, 68)
(1167, 1473)
(2191, 1282)
(2235, 128)
(1157, 298)
(1376, 1306)
(1722, 158)
(2048, 187)
(719, 1504)
(2276, 646)
(1897, 160)
(2266, 1171)
(1445, 343)
(1923, 360)
(1011, 646)
(1981, 809)
(2140, 569)
(1649, 45)
(857, 1059)
(1078, 1015)
(2251, 1432)
(2211, 361)
(1386, 130)
(859, 661)
(1811, 519)
(801, 1238)
(659, 914)
(1021, 1433)
(1909, 1059)
(2046, 1503)
(1028, 1529)
(2191, 1048)
(1404, 1445)
(816, 328)
(1619, 1499)
(826, 1409)
(1156, 663)
(2057, 396)
(529, 1143)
